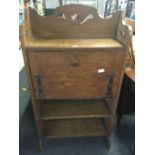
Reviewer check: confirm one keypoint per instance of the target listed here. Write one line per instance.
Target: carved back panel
(73, 21)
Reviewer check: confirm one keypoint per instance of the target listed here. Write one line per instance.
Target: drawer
(74, 74)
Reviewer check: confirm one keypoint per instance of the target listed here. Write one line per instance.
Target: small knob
(75, 59)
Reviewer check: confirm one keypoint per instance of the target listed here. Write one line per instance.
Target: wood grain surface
(62, 109)
(74, 128)
(72, 43)
(75, 74)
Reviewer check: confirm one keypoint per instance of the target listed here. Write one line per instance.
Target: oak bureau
(75, 63)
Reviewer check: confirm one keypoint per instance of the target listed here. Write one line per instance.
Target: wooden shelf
(74, 128)
(73, 43)
(50, 110)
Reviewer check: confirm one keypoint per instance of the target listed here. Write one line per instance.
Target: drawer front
(74, 74)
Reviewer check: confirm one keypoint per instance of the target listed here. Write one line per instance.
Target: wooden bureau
(75, 64)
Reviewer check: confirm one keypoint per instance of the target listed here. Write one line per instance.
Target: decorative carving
(75, 18)
(79, 12)
(90, 16)
(122, 33)
(73, 21)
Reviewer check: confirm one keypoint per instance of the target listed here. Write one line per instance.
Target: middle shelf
(73, 109)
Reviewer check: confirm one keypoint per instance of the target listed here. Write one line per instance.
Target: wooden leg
(40, 144)
(108, 142)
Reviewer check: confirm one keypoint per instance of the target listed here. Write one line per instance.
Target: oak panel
(62, 79)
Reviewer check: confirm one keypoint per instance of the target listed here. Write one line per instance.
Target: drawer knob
(75, 61)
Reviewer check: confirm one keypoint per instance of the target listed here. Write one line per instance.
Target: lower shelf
(74, 128)
(51, 110)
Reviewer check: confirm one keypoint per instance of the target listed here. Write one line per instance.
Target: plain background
(145, 77)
